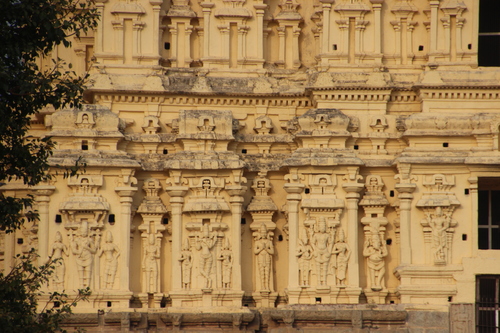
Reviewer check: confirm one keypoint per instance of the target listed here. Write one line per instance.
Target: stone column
(293, 198)
(236, 192)
(156, 36)
(42, 199)
(207, 10)
(259, 14)
(352, 199)
(473, 192)
(405, 198)
(176, 194)
(434, 25)
(99, 36)
(377, 11)
(325, 40)
(126, 194)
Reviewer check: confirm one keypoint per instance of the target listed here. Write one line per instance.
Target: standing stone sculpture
(56, 253)
(322, 244)
(375, 251)
(226, 258)
(343, 252)
(150, 265)
(186, 260)
(205, 242)
(304, 256)
(439, 223)
(264, 250)
(111, 253)
(84, 249)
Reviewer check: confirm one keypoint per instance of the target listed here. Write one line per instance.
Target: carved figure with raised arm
(205, 241)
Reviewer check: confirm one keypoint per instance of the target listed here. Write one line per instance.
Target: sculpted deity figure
(322, 245)
(56, 253)
(84, 248)
(205, 243)
(186, 260)
(111, 253)
(226, 257)
(264, 250)
(304, 256)
(343, 252)
(439, 223)
(150, 264)
(375, 251)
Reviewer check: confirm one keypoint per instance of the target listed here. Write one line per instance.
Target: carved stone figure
(84, 249)
(343, 252)
(186, 260)
(111, 253)
(304, 256)
(439, 224)
(264, 250)
(322, 244)
(226, 257)
(205, 243)
(375, 251)
(150, 264)
(56, 253)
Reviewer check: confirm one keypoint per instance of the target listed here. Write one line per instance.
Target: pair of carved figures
(205, 243)
(84, 247)
(319, 245)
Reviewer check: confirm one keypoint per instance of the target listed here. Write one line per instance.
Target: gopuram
(277, 166)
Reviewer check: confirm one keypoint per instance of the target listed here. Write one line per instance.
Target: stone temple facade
(278, 166)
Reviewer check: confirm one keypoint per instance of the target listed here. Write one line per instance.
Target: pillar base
(265, 298)
(206, 298)
(323, 295)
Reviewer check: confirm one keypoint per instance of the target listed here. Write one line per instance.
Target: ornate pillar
(294, 189)
(377, 12)
(126, 194)
(176, 192)
(325, 38)
(42, 199)
(236, 192)
(434, 26)
(353, 188)
(405, 197)
(259, 15)
(207, 10)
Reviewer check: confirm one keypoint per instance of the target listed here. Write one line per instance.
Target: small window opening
(307, 191)
(243, 151)
(388, 241)
(391, 193)
(318, 300)
(464, 237)
(164, 221)
(243, 221)
(111, 218)
(58, 218)
(466, 191)
(420, 47)
(374, 215)
(280, 238)
(335, 47)
(445, 144)
(450, 298)
(20, 241)
(165, 151)
(57, 304)
(167, 46)
(85, 145)
(356, 147)
(109, 304)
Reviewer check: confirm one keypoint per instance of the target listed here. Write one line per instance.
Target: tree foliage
(29, 30)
